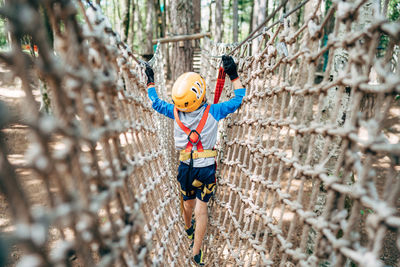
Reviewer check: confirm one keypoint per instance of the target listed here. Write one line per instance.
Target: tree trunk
(197, 19)
(254, 43)
(210, 18)
(385, 8)
(181, 21)
(328, 29)
(235, 21)
(139, 28)
(294, 19)
(167, 28)
(218, 21)
(251, 25)
(126, 19)
(258, 18)
(6, 28)
(273, 8)
(160, 22)
(47, 24)
(149, 27)
(118, 18)
(131, 34)
(164, 17)
(114, 9)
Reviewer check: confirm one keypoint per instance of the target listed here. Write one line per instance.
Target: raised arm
(237, 84)
(158, 105)
(221, 110)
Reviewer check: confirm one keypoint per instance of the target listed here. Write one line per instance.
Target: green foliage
(324, 264)
(80, 18)
(25, 40)
(244, 17)
(393, 14)
(3, 36)
(362, 212)
(328, 4)
(244, 14)
(394, 10)
(46, 101)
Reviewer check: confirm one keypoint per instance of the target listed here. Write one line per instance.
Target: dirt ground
(17, 139)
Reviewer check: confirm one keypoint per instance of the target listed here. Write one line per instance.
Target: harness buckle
(198, 138)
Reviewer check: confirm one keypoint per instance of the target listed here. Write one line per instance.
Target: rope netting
(308, 166)
(101, 156)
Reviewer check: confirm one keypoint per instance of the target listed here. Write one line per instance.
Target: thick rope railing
(102, 158)
(304, 158)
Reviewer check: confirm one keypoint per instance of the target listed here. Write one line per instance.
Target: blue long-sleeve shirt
(191, 120)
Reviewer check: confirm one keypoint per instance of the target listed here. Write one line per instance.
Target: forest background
(140, 23)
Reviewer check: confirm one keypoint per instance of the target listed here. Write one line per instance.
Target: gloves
(149, 73)
(230, 67)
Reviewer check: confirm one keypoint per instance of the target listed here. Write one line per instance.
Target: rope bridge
(308, 166)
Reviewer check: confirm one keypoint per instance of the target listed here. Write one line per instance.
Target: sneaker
(190, 230)
(198, 259)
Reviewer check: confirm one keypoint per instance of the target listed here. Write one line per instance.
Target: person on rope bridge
(195, 133)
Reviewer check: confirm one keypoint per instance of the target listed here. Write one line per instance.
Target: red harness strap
(220, 84)
(193, 135)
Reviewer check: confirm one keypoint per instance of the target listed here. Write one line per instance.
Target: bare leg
(188, 207)
(201, 225)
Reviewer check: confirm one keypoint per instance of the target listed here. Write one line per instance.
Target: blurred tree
(181, 21)
(235, 24)
(47, 24)
(126, 16)
(251, 26)
(259, 13)
(149, 27)
(219, 20)
(131, 34)
(391, 9)
(197, 19)
(210, 11)
(394, 10)
(159, 19)
(138, 28)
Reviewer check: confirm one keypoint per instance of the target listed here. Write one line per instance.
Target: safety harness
(194, 139)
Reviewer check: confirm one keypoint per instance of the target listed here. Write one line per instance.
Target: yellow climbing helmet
(189, 92)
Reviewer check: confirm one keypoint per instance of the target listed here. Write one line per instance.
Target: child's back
(195, 133)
